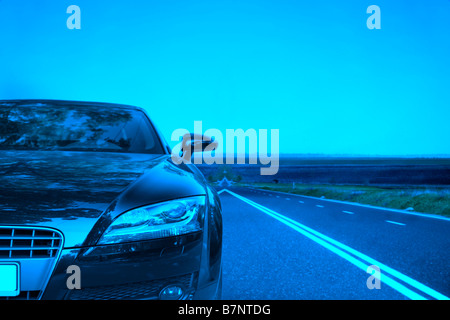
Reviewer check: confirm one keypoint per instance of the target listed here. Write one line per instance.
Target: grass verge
(434, 200)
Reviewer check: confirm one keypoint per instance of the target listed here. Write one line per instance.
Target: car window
(76, 128)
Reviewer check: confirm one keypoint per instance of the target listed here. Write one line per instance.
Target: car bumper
(135, 271)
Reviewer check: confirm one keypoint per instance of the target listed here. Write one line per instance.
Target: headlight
(160, 220)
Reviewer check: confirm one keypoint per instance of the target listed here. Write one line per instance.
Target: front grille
(37, 250)
(22, 242)
(134, 291)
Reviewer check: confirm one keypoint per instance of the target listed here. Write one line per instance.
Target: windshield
(76, 128)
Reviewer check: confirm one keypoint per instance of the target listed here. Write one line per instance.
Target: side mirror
(196, 143)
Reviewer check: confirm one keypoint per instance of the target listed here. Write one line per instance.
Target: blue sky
(311, 69)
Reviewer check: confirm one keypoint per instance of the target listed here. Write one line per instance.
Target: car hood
(70, 191)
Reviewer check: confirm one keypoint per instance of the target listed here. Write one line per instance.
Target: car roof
(57, 103)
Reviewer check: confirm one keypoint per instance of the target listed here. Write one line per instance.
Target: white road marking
(300, 201)
(355, 257)
(393, 222)
(425, 215)
(319, 206)
(349, 212)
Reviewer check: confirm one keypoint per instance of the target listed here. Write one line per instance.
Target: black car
(93, 207)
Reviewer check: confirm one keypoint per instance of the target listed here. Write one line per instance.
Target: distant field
(419, 183)
(434, 200)
(338, 172)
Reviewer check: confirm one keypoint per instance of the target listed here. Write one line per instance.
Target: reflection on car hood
(68, 190)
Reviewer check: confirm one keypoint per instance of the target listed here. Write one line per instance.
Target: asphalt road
(281, 246)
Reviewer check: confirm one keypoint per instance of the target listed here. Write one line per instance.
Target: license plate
(9, 279)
